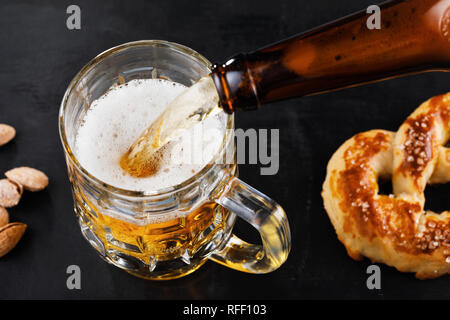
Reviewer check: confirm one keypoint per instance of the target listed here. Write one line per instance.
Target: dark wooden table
(38, 58)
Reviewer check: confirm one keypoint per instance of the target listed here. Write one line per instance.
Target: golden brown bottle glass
(414, 37)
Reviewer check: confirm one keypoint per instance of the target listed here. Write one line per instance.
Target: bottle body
(414, 37)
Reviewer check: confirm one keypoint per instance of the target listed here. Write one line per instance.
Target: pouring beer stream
(182, 113)
(414, 37)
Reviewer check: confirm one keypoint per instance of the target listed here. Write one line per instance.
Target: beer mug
(171, 232)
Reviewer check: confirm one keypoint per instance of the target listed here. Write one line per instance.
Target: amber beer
(414, 37)
(180, 236)
(177, 240)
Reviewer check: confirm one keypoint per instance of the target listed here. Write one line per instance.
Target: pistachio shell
(7, 133)
(4, 217)
(10, 235)
(31, 179)
(10, 193)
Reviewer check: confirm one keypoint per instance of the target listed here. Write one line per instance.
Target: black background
(38, 58)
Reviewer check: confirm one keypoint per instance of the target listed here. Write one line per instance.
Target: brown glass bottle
(414, 37)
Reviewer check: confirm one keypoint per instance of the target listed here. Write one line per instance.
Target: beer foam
(116, 119)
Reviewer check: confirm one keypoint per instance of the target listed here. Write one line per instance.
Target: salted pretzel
(394, 229)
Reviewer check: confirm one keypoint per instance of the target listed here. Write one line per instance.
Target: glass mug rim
(143, 195)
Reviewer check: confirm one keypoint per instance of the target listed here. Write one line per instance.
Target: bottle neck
(414, 37)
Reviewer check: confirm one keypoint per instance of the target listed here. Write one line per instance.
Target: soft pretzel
(394, 229)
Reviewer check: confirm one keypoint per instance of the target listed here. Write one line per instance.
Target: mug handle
(268, 217)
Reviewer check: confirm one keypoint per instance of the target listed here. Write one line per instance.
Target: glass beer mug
(167, 233)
